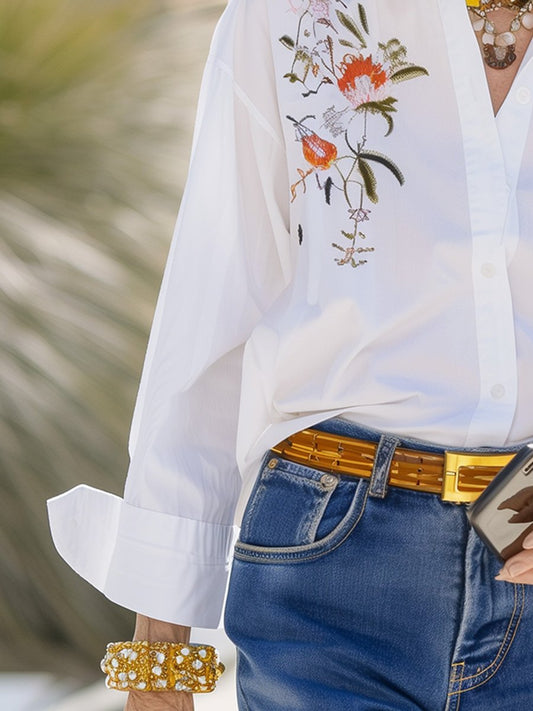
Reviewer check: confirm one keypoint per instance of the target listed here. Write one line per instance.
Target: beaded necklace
(499, 47)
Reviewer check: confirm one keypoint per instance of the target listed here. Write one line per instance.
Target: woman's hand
(519, 568)
(152, 630)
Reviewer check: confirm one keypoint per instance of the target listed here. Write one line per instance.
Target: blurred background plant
(96, 107)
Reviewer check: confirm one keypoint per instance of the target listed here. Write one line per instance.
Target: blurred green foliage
(94, 105)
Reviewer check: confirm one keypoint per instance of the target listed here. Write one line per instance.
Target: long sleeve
(164, 549)
(410, 228)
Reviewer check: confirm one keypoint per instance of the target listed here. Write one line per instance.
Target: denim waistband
(340, 426)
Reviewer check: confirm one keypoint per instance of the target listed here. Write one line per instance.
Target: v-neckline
(526, 61)
(483, 146)
(474, 49)
(493, 145)
(467, 68)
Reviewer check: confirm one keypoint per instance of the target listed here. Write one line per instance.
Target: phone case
(503, 514)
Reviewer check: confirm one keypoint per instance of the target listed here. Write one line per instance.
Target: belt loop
(382, 462)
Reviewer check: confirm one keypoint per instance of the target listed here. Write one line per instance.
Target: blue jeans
(348, 594)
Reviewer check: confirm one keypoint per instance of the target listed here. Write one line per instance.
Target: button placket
(488, 269)
(498, 391)
(492, 163)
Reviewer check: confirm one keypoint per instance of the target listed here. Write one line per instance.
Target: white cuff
(162, 566)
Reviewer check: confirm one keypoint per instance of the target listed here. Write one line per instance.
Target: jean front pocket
(296, 512)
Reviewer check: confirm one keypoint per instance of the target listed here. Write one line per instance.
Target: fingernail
(515, 569)
(528, 541)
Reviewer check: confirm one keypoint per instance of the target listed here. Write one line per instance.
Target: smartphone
(503, 514)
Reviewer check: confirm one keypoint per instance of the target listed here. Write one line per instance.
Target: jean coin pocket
(294, 509)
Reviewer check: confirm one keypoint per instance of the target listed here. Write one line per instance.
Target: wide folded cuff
(162, 566)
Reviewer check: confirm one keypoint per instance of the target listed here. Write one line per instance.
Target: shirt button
(488, 269)
(523, 95)
(497, 391)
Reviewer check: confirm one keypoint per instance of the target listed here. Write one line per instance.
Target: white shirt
(264, 327)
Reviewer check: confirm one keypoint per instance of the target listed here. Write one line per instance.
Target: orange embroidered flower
(317, 151)
(320, 153)
(362, 80)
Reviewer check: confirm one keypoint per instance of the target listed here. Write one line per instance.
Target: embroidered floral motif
(331, 48)
(362, 81)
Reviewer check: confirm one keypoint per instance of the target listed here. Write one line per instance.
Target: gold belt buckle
(455, 461)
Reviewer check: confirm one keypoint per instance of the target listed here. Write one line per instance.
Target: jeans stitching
(382, 464)
(505, 646)
(314, 517)
(253, 505)
(247, 552)
(456, 678)
(509, 636)
(310, 521)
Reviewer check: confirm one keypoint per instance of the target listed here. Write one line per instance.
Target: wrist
(157, 701)
(152, 630)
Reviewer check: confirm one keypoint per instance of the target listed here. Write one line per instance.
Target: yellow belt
(457, 476)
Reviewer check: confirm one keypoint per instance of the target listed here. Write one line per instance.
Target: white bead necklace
(499, 47)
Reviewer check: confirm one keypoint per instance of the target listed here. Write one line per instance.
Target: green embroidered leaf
(291, 77)
(395, 53)
(350, 25)
(345, 43)
(380, 158)
(369, 179)
(287, 41)
(383, 108)
(390, 123)
(410, 72)
(363, 18)
(394, 45)
(302, 55)
(379, 107)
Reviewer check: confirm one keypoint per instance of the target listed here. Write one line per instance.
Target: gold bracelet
(161, 666)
